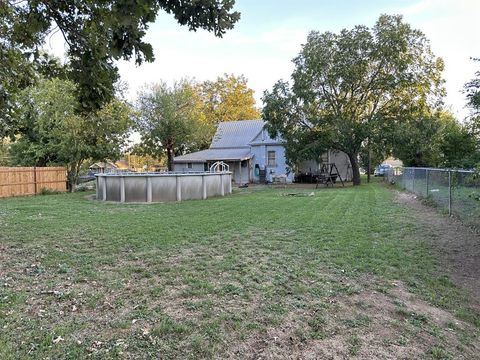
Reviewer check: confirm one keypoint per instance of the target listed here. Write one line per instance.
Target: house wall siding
(260, 157)
(184, 167)
(238, 177)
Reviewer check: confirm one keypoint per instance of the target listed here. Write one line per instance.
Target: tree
(472, 92)
(435, 141)
(457, 145)
(4, 152)
(16, 74)
(227, 99)
(416, 141)
(167, 120)
(53, 133)
(378, 153)
(349, 86)
(96, 33)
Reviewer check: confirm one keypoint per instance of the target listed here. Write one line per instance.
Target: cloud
(262, 57)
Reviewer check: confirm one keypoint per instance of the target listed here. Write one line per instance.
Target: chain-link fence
(455, 192)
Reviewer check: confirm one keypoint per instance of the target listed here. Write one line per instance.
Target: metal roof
(234, 134)
(215, 155)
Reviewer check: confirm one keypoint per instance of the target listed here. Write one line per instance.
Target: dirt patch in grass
(367, 325)
(457, 244)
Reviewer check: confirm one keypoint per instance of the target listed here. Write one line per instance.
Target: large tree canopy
(349, 87)
(53, 133)
(167, 119)
(97, 33)
(183, 118)
(228, 98)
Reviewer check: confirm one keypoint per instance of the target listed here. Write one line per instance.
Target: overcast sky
(270, 32)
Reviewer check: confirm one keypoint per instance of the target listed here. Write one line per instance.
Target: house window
(271, 158)
(189, 165)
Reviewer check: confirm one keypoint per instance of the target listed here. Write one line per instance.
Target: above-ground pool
(155, 187)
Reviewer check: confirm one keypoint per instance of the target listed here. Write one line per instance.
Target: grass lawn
(344, 273)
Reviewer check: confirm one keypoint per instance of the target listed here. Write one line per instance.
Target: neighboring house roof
(232, 134)
(215, 154)
(394, 162)
(102, 165)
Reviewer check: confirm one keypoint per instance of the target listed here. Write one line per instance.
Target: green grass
(226, 277)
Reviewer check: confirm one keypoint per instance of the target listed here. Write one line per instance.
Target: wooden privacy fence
(18, 181)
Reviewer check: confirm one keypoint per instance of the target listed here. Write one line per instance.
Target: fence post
(426, 179)
(35, 180)
(450, 192)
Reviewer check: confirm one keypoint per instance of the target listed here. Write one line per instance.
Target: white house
(253, 156)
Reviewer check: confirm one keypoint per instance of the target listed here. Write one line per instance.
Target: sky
(269, 35)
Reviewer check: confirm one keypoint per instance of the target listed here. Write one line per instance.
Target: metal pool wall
(150, 187)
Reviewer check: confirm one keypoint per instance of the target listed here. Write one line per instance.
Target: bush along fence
(455, 192)
(19, 181)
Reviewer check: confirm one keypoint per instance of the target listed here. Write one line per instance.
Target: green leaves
(212, 15)
(54, 133)
(167, 119)
(97, 33)
(183, 118)
(228, 98)
(472, 92)
(353, 86)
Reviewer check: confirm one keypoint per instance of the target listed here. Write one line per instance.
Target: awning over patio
(215, 155)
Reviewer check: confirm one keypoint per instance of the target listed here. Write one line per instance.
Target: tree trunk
(73, 171)
(355, 168)
(71, 181)
(170, 159)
